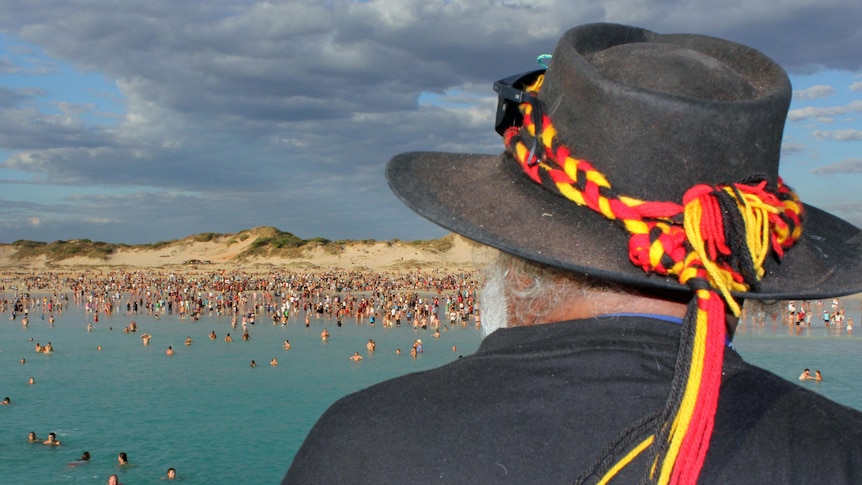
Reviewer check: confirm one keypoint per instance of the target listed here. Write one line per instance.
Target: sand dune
(257, 247)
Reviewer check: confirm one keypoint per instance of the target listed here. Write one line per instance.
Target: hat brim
(488, 199)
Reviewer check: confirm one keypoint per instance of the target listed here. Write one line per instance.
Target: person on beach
(636, 206)
(51, 440)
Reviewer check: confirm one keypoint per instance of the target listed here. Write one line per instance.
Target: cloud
(849, 166)
(789, 148)
(856, 86)
(838, 135)
(237, 113)
(826, 113)
(814, 92)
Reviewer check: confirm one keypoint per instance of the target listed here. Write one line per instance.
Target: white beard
(492, 297)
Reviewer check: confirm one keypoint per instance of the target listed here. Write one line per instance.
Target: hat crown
(658, 114)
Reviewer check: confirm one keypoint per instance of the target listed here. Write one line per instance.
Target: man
(51, 440)
(636, 205)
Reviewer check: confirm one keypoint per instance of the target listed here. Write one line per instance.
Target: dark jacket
(541, 404)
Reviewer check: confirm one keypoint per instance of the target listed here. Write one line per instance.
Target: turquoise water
(204, 410)
(207, 413)
(788, 351)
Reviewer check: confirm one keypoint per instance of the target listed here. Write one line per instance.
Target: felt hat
(656, 114)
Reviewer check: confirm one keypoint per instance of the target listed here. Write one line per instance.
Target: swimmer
(212, 337)
(806, 374)
(32, 438)
(145, 338)
(114, 480)
(324, 335)
(170, 351)
(371, 345)
(51, 440)
(90, 327)
(397, 351)
(85, 458)
(817, 376)
(287, 345)
(48, 348)
(228, 338)
(122, 458)
(23, 360)
(356, 357)
(253, 363)
(6, 401)
(273, 362)
(32, 381)
(172, 473)
(98, 347)
(188, 340)
(38, 347)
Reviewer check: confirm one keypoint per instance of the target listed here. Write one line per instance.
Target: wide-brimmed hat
(656, 115)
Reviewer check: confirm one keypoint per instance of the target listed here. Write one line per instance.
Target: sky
(150, 120)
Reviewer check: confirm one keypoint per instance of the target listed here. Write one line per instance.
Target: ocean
(206, 412)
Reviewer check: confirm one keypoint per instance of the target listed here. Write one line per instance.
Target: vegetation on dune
(271, 241)
(59, 250)
(205, 236)
(266, 242)
(441, 245)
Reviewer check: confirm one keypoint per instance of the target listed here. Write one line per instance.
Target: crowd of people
(431, 301)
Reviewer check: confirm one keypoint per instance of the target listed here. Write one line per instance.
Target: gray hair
(521, 292)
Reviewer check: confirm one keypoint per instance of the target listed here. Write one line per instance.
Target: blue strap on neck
(655, 316)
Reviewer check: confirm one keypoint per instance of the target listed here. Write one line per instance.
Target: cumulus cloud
(788, 148)
(856, 86)
(814, 92)
(849, 166)
(824, 113)
(247, 111)
(838, 135)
